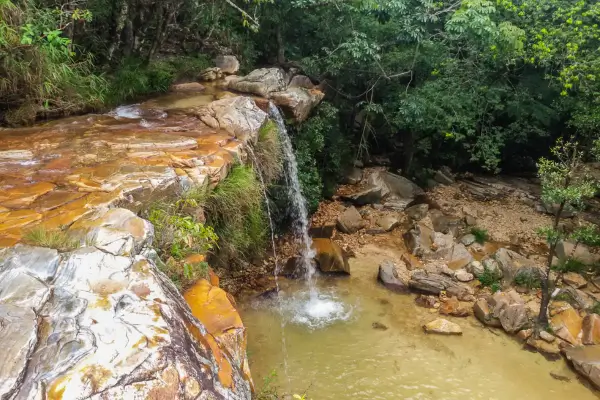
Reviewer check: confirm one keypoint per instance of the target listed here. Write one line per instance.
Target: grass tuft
(54, 239)
(570, 265)
(491, 279)
(268, 152)
(481, 235)
(528, 279)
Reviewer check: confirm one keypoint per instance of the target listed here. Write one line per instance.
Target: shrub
(268, 153)
(528, 279)
(481, 235)
(54, 239)
(235, 209)
(490, 279)
(570, 265)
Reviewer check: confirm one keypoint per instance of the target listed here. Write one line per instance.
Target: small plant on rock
(481, 235)
(51, 238)
(528, 279)
(491, 279)
(570, 265)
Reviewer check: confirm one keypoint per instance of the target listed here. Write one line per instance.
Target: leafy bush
(491, 279)
(595, 308)
(134, 78)
(53, 239)
(570, 265)
(235, 209)
(481, 235)
(528, 279)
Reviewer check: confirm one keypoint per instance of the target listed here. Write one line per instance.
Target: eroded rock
(262, 82)
(394, 276)
(350, 221)
(330, 257)
(228, 64)
(297, 101)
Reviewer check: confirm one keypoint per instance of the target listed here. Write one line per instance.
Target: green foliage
(134, 78)
(268, 152)
(235, 209)
(570, 265)
(490, 278)
(179, 235)
(53, 239)
(268, 390)
(528, 279)
(595, 308)
(481, 235)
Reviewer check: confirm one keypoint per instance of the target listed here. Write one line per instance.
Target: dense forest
(472, 84)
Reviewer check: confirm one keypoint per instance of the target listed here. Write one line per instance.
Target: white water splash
(132, 111)
(315, 311)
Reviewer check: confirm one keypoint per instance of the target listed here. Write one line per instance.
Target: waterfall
(298, 202)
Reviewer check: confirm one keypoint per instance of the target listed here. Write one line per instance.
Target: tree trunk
(409, 153)
(543, 316)
(116, 40)
(280, 47)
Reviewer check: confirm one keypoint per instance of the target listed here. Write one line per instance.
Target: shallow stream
(333, 350)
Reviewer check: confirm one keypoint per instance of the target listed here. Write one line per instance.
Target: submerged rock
(442, 327)
(394, 276)
(586, 361)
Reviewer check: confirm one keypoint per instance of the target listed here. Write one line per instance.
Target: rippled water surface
(334, 352)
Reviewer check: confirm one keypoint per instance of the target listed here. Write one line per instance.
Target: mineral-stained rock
(591, 329)
(565, 322)
(442, 327)
(330, 257)
(109, 323)
(483, 313)
(550, 350)
(574, 279)
(394, 276)
(453, 307)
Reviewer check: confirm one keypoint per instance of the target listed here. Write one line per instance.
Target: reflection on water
(346, 358)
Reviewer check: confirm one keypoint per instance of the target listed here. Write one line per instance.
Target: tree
(566, 184)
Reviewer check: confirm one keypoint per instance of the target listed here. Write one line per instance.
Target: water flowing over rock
(329, 256)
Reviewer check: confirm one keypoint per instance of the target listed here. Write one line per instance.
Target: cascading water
(310, 307)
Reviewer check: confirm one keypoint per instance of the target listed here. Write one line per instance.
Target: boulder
(577, 298)
(297, 102)
(229, 65)
(261, 82)
(510, 263)
(301, 81)
(239, 116)
(454, 308)
(369, 195)
(574, 279)
(483, 313)
(442, 327)
(446, 224)
(417, 212)
(350, 221)
(323, 231)
(463, 276)
(394, 276)
(352, 176)
(546, 336)
(468, 239)
(491, 265)
(210, 74)
(427, 282)
(388, 222)
(476, 268)
(91, 324)
(586, 361)
(591, 330)
(443, 178)
(566, 322)
(187, 87)
(566, 250)
(330, 257)
(394, 185)
(419, 239)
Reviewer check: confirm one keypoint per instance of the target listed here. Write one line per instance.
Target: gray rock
(394, 276)
(442, 178)
(446, 224)
(262, 82)
(228, 64)
(350, 221)
(394, 185)
(566, 250)
(468, 239)
(547, 337)
(510, 263)
(483, 313)
(369, 195)
(353, 176)
(388, 222)
(463, 276)
(417, 212)
(396, 204)
(476, 268)
(510, 309)
(297, 102)
(301, 81)
(492, 266)
(424, 281)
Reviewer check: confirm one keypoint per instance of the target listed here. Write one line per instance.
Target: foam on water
(131, 111)
(315, 311)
